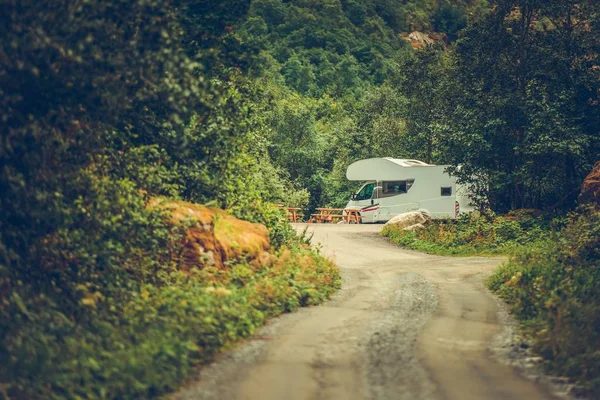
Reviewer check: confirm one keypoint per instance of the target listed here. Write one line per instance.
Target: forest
(239, 105)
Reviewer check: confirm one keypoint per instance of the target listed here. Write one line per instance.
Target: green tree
(526, 114)
(74, 90)
(100, 104)
(450, 19)
(421, 78)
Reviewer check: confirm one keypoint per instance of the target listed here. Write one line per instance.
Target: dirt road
(404, 326)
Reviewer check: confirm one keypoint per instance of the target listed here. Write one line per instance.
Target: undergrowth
(99, 310)
(157, 338)
(552, 288)
(472, 235)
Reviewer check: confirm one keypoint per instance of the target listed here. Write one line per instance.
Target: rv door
(369, 206)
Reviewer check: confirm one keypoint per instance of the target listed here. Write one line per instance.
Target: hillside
(336, 48)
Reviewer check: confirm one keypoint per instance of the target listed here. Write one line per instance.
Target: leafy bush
(102, 107)
(472, 234)
(552, 288)
(146, 338)
(450, 19)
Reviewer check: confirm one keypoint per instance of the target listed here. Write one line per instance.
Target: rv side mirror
(372, 201)
(353, 196)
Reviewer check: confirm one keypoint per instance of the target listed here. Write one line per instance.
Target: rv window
(366, 192)
(446, 191)
(394, 188)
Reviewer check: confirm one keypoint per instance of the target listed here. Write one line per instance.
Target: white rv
(395, 186)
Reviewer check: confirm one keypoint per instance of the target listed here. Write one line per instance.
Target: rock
(419, 40)
(212, 237)
(407, 219)
(590, 189)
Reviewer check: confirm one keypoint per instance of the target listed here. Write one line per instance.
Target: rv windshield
(366, 192)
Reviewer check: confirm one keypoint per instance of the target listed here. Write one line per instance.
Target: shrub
(147, 338)
(471, 235)
(552, 288)
(101, 108)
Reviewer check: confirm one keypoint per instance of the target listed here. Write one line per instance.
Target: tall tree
(421, 77)
(528, 115)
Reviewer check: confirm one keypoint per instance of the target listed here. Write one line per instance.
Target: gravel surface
(393, 370)
(405, 325)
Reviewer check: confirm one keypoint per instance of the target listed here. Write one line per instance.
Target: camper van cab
(395, 186)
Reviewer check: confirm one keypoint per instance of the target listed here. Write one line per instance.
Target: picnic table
(292, 212)
(352, 215)
(330, 215)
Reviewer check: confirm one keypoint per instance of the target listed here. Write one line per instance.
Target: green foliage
(241, 104)
(337, 48)
(324, 100)
(147, 343)
(319, 46)
(552, 289)
(473, 235)
(103, 106)
(73, 232)
(512, 102)
(450, 19)
(524, 102)
(324, 68)
(76, 282)
(421, 77)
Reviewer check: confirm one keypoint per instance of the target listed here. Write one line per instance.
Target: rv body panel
(398, 186)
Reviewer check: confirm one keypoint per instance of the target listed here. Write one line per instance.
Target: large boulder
(590, 190)
(212, 237)
(406, 220)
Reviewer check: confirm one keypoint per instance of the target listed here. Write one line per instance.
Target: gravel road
(405, 325)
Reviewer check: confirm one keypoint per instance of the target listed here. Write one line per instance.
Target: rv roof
(381, 168)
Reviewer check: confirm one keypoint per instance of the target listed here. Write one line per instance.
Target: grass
(143, 333)
(157, 340)
(472, 235)
(552, 289)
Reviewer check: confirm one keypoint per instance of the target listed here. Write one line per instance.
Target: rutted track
(404, 326)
